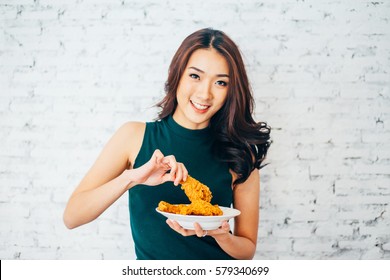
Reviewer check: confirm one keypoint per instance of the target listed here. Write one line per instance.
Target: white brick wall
(71, 72)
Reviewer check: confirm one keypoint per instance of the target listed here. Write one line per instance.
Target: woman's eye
(194, 76)
(222, 83)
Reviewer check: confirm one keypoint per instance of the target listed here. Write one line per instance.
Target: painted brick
(72, 72)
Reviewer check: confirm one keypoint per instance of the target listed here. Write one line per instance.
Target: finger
(225, 226)
(170, 224)
(179, 174)
(198, 230)
(223, 229)
(160, 160)
(176, 227)
(157, 156)
(171, 161)
(185, 173)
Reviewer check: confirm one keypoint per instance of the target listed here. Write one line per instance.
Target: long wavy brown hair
(239, 140)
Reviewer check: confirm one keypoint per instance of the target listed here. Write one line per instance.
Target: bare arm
(110, 176)
(106, 180)
(242, 245)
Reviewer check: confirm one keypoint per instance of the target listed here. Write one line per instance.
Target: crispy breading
(195, 190)
(200, 197)
(198, 207)
(204, 208)
(173, 208)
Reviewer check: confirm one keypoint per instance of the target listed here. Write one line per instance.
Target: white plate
(206, 222)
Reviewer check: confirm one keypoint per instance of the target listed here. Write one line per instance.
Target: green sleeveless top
(153, 238)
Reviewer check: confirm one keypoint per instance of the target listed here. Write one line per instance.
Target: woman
(205, 129)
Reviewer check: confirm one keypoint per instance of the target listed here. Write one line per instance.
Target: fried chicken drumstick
(195, 190)
(200, 197)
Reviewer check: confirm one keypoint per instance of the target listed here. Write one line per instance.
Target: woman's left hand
(224, 229)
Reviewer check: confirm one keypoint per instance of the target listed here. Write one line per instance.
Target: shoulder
(131, 135)
(132, 127)
(253, 179)
(130, 131)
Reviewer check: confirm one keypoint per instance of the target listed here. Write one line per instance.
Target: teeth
(199, 106)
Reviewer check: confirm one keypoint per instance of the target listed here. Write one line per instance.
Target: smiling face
(202, 89)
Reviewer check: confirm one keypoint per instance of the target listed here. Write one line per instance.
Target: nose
(204, 90)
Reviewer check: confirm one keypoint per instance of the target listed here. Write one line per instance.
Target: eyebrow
(201, 71)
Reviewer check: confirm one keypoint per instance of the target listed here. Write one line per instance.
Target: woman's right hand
(159, 169)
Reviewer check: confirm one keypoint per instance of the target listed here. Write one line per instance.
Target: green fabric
(153, 238)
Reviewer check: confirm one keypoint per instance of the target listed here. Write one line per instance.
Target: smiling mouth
(199, 106)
